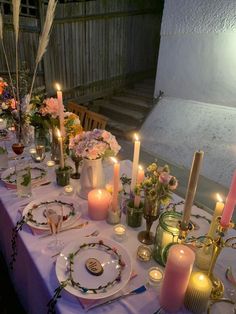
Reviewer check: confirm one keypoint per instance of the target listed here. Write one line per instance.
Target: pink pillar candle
(99, 201)
(177, 273)
(229, 204)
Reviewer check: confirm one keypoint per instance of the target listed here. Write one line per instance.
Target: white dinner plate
(8, 176)
(35, 211)
(114, 259)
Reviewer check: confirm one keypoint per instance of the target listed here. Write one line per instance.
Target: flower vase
(151, 212)
(91, 177)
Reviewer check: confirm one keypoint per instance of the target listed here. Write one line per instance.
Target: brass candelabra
(217, 244)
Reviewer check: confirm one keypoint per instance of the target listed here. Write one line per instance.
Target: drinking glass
(23, 178)
(38, 152)
(55, 222)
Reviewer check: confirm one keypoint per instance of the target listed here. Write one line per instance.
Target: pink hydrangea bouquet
(94, 144)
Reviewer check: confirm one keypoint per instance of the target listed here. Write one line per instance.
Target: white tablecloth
(34, 274)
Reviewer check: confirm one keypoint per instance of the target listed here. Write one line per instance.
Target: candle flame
(99, 192)
(58, 132)
(114, 160)
(58, 86)
(201, 277)
(136, 137)
(219, 198)
(140, 167)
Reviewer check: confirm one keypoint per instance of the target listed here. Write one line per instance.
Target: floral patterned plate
(34, 212)
(94, 268)
(9, 176)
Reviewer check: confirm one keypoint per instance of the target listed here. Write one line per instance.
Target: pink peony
(164, 178)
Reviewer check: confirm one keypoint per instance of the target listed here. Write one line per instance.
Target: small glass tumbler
(23, 178)
(3, 156)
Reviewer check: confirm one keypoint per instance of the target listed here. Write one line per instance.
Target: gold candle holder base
(217, 291)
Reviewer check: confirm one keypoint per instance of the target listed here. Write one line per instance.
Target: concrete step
(131, 102)
(144, 87)
(121, 113)
(141, 94)
(120, 129)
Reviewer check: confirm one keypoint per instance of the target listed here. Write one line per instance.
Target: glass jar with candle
(63, 175)
(134, 215)
(167, 232)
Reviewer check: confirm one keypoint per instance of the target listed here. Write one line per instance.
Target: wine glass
(55, 222)
(151, 213)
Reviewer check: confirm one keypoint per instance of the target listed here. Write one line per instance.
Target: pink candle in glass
(229, 204)
(99, 201)
(177, 273)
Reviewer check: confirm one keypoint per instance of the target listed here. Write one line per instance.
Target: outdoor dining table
(34, 276)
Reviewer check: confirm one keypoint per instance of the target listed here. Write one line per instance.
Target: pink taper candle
(135, 161)
(140, 178)
(61, 109)
(116, 183)
(177, 273)
(229, 204)
(98, 204)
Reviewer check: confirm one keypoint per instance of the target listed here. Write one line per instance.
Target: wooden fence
(94, 46)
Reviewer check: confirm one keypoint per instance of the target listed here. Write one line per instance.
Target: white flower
(4, 106)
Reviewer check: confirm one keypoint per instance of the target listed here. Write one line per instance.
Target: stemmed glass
(55, 222)
(76, 159)
(151, 213)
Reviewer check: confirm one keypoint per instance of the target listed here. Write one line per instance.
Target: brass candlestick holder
(217, 245)
(184, 229)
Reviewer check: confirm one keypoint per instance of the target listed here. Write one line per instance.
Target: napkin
(86, 303)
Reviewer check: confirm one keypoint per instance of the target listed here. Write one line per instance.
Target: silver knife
(133, 292)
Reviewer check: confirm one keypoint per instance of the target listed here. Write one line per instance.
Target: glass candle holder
(63, 176)
(155, 276)
(50, 163)
(134, 215)
(144, 253)
(167, 233)
(119, 232)
(69, 190)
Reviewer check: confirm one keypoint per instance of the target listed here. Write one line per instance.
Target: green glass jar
(134, 215)
(63, 176)
(167, 233)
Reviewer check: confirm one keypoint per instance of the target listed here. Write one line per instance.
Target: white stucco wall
(197, 73)
(197, 56)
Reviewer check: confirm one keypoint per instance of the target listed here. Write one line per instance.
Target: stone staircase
(127, 110)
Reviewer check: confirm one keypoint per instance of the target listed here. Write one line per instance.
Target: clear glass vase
(42, 133)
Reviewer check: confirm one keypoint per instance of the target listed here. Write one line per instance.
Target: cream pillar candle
(135, 161)
(218, 212)
(116, 183)
(192, 186)
(60, 140)
(177, 272)
(61, 109)
(198, 293)
(140, 178)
